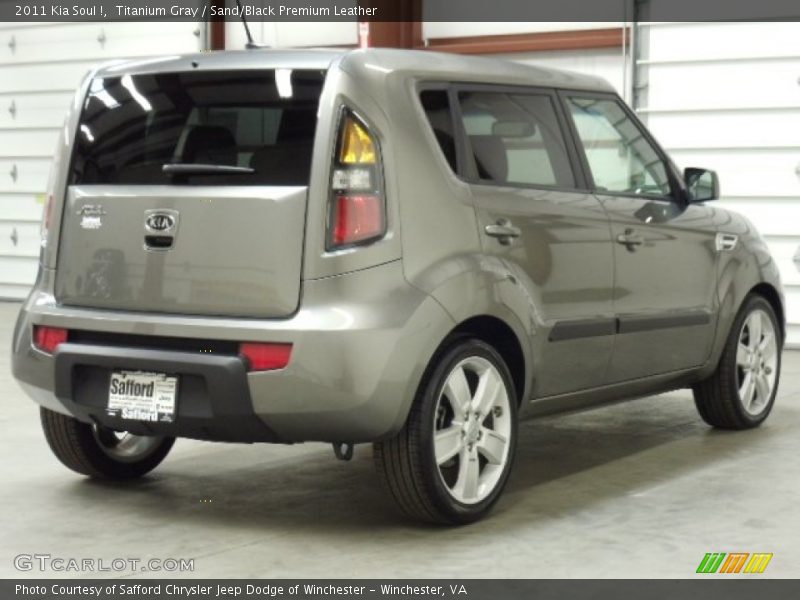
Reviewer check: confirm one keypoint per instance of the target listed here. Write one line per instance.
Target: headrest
(490, 157)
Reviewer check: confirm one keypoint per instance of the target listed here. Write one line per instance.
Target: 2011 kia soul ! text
(404, 248)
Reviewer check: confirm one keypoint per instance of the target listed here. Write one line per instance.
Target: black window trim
(466, 170)
(677, 189)
(441, 86)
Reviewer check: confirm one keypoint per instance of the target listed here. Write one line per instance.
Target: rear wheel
(100, 452)
(741, 392)
(452, 458)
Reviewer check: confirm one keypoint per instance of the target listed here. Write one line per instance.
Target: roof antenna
(250, 43)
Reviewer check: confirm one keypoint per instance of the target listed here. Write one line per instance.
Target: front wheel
(741, 392)
(100, 452)
(452, 458)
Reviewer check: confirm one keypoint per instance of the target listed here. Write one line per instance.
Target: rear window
(240, 127)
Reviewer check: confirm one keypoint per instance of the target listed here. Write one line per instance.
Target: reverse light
(357, 213)
(265, 357)
(47, 339)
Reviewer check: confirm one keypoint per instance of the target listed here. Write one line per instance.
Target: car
(404, 248)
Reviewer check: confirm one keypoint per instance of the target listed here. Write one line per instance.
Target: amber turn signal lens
(357, 146)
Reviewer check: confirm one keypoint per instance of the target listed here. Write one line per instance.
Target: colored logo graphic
(734, 562)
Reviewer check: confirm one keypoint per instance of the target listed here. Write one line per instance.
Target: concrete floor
(643, 489)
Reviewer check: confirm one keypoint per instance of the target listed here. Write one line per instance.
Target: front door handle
(503, 230)
(630, 239)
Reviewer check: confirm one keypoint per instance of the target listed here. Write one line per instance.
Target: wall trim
(530, 42)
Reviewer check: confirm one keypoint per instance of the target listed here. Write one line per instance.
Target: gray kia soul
(404, 248)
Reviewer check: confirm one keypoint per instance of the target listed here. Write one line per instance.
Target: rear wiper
(199, 169)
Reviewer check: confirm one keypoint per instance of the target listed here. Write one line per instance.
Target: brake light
(266, 357)
(357, 207)
(357, 218)
(47, 339)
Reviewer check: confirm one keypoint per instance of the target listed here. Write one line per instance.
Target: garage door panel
(18, 270)
(20, 239)
(30, 143)
(763, 173)
(783, 250)
(733, 129)
(33, 110)
(723, 85)
(792, 295)
(31, 173)
(21, 207)
(773, 217)
(48, 78)
(14, 292)
(715, 41)
(99, 41)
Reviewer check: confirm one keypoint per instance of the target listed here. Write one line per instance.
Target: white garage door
(726, 96)
(40, 66)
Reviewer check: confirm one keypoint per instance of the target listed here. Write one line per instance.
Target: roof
(476, 69)
(375, 62)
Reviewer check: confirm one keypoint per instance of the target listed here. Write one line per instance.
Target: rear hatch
(187, 193)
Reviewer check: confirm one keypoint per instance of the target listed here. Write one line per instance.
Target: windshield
(261, 123)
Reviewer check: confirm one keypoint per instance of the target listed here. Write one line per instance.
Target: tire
(741, 391)
(99, 452)
(459, 479)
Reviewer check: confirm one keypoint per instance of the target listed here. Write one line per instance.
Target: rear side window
(516, 138)
(260, 122)
(437, 108)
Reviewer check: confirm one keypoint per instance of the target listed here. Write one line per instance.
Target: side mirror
(702, 185)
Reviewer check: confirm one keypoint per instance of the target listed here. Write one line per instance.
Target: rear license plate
(142, 396)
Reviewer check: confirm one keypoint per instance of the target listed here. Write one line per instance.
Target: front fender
(740, 270)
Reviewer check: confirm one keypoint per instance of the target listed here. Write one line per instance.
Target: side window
(516, 138)
(620, 158)
(437, 108)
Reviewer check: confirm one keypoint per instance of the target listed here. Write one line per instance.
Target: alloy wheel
(756, 362)
(472, 430)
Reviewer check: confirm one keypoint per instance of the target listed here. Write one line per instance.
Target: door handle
(630, 239)
(503, 230)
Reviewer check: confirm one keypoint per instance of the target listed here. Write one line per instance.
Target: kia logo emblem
(160, 221)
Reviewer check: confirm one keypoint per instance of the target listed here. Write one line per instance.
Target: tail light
(266, 357)
(357, 208)
(47, 339)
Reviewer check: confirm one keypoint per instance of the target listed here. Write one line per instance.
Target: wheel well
(502, 338)
(770, 294)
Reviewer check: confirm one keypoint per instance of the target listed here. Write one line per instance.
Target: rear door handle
(630, 238)
(503, 230)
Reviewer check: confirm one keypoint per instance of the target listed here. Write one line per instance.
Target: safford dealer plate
(142, 396)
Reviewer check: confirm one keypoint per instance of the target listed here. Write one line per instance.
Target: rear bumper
(214, 398)
(361, 342)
